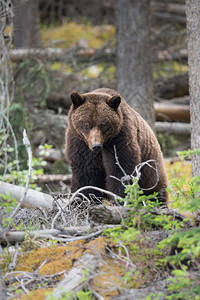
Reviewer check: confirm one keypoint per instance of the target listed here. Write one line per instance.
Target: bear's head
(96, 118)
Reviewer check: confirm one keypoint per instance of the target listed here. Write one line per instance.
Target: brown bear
(100, 121)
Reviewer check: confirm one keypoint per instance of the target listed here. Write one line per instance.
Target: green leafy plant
(20, 176)
(184, 286)
(187, 244)
(184, 244)
(188, 153)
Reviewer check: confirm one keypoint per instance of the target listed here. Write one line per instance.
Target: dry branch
(67, 234)
(19, 236)
(27, 144)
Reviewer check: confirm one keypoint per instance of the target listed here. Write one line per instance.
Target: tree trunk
(26, 24)
(193, 32)
(134, 59)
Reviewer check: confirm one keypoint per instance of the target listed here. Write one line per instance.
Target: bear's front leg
(87, 167)
(127, 159)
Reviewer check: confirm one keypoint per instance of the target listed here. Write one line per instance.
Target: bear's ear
(77, 100)
(114, 102)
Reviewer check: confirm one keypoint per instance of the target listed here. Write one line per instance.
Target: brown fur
(103, 118)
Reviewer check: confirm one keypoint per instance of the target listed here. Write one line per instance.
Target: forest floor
(88, 260)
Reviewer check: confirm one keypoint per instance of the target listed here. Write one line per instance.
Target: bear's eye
(103, 127)
(87, 126)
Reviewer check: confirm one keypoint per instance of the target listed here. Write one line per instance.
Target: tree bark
(134, 57)
(193, 32)
(26, 24)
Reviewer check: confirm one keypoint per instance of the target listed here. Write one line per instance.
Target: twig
(128, 261)
(28, 149)
(137, 170)
(31, 274)
(73, 239)
(43, 211)
(22, 285)
(56, 216)
(117, 161)
(97, 295)
(121, 258)
(138, 173)
(40, 267)
(15, 141)
(13, 264)
(94, 188)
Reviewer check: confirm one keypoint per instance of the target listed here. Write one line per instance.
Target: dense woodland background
(149, 52)
(149, 68)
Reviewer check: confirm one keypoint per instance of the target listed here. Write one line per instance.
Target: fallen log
(68, 55)
(54, 178)
(108, 214)
(182, 129)
(169, 17)
(32, 199)
(185, 100)
(171, 87)
(172, 112)
(87, 55)
(175, 8)
(116, 214)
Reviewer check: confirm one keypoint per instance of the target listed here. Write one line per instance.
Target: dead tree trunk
(134, 59)
(26, 24)
(193, 31)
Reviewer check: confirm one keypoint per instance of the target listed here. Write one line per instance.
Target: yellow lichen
(39, 294)
(58, 258)
(178, 169)
(67, 35)
(109, 278)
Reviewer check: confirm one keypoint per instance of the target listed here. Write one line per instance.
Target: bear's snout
(95, 140)
(96, 147)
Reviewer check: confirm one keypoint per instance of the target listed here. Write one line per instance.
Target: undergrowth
(182, 244)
